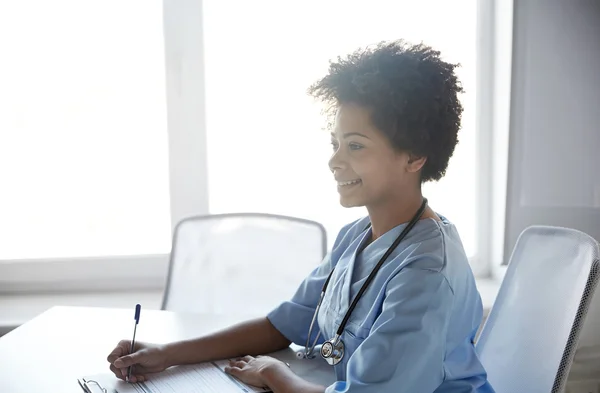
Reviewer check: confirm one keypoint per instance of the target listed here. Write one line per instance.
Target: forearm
(254, 337)
(283, 380)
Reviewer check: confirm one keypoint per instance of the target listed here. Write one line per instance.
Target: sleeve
(405, 349)
(292, 318)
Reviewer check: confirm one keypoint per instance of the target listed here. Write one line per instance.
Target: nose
(337, 161)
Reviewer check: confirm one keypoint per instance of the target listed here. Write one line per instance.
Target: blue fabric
(413, 329)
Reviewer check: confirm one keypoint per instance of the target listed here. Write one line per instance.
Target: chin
(350, 202)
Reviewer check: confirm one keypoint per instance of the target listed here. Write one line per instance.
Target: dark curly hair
(412, 95)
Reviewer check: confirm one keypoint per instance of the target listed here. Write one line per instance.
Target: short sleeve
(292, 318)
(405, 349)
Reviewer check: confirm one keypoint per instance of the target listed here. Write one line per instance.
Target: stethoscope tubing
(336, 341)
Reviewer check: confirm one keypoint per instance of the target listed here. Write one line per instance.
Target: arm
(287, 323)
(227, 343)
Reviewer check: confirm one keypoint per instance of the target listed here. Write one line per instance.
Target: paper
(211, 377)
(200, 378)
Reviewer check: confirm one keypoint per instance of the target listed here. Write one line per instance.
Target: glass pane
(267, 149)
(83, 136)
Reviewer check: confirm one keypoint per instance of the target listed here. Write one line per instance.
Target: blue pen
(138, 308)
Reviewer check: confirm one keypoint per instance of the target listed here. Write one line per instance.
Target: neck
(400, 210)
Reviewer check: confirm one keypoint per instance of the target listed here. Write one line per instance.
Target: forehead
(352, 118)
(355, 119)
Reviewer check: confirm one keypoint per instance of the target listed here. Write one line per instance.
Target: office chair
(242, 264)
(528, 342)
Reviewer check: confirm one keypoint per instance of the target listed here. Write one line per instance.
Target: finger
(115, 354)
(121, 348)
(248, 358)
(116, 371)
(129, 360)
(235, 371)
(137, 378)
(237, 363)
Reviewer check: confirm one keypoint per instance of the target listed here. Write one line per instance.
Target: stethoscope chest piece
(333, 351)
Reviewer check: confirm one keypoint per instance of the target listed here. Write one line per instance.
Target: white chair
(528, 342)
(242, 264)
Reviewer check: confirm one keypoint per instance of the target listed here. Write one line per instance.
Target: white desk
(49, 353)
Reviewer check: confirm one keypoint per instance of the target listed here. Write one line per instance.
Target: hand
(147, 358)
(253, 370)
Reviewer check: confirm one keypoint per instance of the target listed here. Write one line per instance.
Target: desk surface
(49, 353)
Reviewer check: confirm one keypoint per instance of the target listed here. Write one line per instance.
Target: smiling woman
(395, 302)
(397, 117)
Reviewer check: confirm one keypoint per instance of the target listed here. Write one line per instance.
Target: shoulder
(436, 247)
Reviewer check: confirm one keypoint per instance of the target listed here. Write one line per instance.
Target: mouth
(349, 183)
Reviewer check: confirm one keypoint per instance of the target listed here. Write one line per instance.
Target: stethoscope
(333, 350)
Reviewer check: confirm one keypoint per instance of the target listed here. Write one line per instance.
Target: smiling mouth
(348, 183)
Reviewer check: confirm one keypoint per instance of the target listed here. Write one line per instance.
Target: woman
(396, 116)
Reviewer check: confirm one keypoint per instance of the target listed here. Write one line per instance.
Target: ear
(415, 163)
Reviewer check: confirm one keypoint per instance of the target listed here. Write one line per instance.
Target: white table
(49, 353)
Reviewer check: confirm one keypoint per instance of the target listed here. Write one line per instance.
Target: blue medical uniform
(413, 329)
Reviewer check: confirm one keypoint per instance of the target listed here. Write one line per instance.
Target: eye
(355, 146)
(334, 145)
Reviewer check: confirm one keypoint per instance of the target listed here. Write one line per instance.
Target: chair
(241, 265)
(528, 342)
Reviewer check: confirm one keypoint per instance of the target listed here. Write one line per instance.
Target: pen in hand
(138, 308)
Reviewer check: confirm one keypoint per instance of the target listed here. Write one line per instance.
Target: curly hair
(412, 95)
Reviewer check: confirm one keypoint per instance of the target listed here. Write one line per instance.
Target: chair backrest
(240, 264)
(529, 339)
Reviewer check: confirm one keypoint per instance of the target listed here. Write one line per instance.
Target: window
(267, 151)
(94, 174)
(83, 131)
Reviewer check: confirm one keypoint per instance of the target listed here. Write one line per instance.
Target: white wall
(554, 148)
(554, 152)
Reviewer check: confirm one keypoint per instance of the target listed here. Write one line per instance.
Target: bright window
(83, 135)
(267, 151)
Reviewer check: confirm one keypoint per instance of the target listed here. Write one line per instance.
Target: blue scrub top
(413, 329)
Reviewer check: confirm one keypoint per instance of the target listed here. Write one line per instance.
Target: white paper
(210, 377)
(197, 378)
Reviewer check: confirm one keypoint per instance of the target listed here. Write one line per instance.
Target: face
(367, 168)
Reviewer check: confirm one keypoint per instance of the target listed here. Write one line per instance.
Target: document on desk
(203, 377)
(208, 377)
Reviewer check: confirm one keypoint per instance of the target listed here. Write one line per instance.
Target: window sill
(18, 309)
(488, 290)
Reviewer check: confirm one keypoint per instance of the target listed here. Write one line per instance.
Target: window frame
(494, 86)
(188, 186)
(182, 25)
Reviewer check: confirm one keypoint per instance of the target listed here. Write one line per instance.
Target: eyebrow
(347, 134)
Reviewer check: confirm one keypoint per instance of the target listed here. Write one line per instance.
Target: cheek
(367, 169)
(382, 178)
(378, 168)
